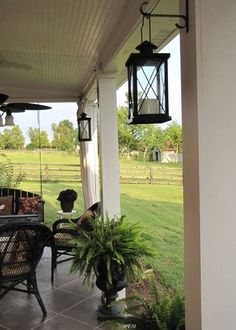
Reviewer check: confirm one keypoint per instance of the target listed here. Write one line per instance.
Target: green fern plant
(115, 243)
(161, 313)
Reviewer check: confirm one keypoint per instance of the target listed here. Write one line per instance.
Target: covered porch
(69, 304)
(55, 51)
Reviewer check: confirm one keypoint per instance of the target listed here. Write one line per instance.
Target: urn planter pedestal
(109, 309)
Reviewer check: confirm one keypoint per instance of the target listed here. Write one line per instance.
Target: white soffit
(50, 48)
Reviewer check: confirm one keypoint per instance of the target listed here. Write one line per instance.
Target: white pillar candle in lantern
(149, 106)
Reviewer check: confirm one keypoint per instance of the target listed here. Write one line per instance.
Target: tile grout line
(61, 314)
(79, 321)
(3, 326)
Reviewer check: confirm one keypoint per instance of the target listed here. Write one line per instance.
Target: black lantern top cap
(146, 52)
(83, 116)
(146, 47)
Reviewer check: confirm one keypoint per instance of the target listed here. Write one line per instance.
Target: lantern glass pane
(84, 129)
(151, 88)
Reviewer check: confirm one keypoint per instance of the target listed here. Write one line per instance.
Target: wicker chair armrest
(71, 231)
(57, 223)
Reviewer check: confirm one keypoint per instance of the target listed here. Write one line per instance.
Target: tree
(44, 139)
(143, 137)
(152, 137)
(127, 140)
(64, 135)
(33, 134)
(12, 138)
(7, 176)
(173, 137)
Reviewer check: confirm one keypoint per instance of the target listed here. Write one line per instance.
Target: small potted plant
(109, 254)
(67, 198)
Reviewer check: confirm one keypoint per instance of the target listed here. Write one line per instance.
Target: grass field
(157, 208)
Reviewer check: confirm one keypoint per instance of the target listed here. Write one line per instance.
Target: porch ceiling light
(148, 78)
(1, 121)
(9, 120)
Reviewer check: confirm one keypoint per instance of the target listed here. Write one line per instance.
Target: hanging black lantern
(148, 85)
(84, 127)
(148, 76)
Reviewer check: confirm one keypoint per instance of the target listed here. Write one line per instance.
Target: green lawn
(158, 209)
(27, 156)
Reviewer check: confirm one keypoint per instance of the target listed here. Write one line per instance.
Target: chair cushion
(28, 205)
(6, 205)
(15, 270)
(87, 215)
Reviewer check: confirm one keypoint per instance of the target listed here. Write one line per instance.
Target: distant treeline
(64, 137)
(132, 138)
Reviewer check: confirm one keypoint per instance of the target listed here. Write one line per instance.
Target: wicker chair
(63, 234)
(21, 247)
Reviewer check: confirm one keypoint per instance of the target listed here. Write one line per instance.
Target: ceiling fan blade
(3, 98)
(5, 108)
(27, 106)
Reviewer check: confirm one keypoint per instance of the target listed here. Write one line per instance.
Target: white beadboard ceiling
(50, 50)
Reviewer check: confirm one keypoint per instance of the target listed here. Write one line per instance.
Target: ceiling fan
(9, 108)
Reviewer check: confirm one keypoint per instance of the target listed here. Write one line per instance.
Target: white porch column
(108, 145)
(208, 59)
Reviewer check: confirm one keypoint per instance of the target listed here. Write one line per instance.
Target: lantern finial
(146, 47)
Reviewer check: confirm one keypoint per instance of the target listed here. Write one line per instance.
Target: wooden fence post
(151, 175)
(46, 173)
(21, 170)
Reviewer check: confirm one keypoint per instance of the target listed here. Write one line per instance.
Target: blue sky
(61, 111)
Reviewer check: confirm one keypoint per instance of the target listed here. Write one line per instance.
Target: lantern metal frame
(148, 77)
(135, 63)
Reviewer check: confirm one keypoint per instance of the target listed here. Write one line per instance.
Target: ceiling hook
(145, 14)
(184, 17)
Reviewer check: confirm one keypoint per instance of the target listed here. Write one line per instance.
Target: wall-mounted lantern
(84, 127)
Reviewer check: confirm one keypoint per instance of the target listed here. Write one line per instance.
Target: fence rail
(49, 171)
(71, 173)
(151, 175)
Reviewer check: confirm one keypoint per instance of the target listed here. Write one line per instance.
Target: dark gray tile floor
(69, 304)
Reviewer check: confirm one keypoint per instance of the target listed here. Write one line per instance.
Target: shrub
(7, 177)
(161, 312)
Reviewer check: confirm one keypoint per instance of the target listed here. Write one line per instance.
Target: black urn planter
(108, 309)
(67, 206)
